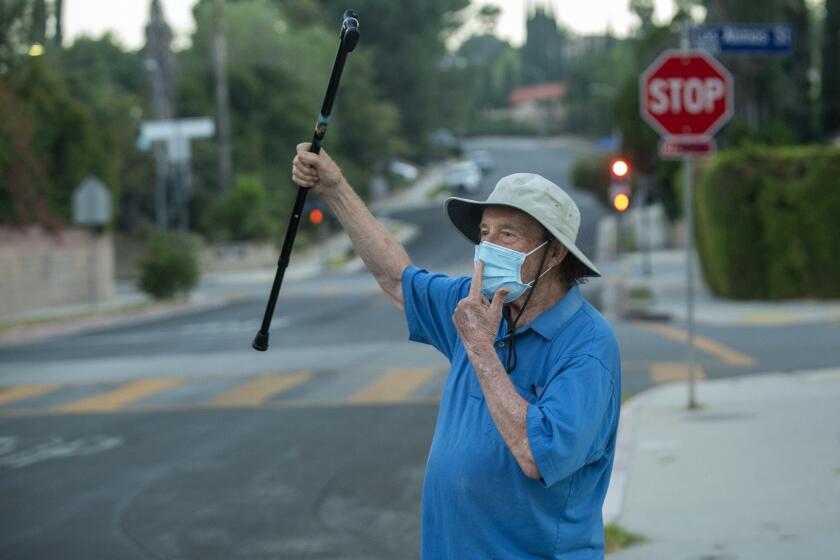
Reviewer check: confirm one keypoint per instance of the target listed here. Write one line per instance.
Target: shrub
(170, 265)
(591, 173)
(244, 213)
(768, 222)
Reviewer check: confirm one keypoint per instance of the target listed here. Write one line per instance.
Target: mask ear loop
(511, 359)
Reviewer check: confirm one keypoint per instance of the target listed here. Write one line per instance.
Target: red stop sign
(686, 94)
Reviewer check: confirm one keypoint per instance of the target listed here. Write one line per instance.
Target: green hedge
(768, 222)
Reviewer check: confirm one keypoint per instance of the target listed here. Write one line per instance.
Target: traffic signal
(619, 168)
(316, 216)
(620, 184)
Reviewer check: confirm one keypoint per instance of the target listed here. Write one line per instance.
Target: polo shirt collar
(549, 323)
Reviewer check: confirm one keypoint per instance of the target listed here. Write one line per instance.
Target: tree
(830, 90)
(644, 11)
(277, 76)
(772, 101)
(48, 144)
(406, 40)
(491, 61)
(58, 37)
(542, 53)
(488, 15)
(797, 105)
(15, 32)
(594, 80)
(23, 23)
(110, 83)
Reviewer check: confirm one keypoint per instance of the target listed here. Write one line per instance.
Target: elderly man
(523, 448)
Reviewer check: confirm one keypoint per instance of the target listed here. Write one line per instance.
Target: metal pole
(186, 185)
(689, 275)
(647, 265)
(619, 249)
(162, 170)
(324, 256)
(689, 246)
(161, 174)
(225, 165)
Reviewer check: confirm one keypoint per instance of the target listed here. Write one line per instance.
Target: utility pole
(222, 105)
(174, 137)
(160, 71)
(161, 161)
(58, 36)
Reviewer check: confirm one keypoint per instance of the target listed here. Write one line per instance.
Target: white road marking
(208, 329)
(7, 444)
(56, 448)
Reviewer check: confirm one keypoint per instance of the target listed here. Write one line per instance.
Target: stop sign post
(686, 96)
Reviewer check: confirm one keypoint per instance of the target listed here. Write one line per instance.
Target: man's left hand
(477, 319)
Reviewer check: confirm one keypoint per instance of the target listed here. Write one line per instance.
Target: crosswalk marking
(259, 390)
(121, 396)
(12, 394)
(666, 372)
(392, 386)
(395, 385)
(724, 353)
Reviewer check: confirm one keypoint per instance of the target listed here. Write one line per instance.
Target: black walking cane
(349, 39)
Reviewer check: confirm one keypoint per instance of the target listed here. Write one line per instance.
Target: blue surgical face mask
(502, 269)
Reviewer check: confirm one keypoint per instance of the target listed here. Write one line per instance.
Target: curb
(614, 499)
(65, 326)
(79, 325)
(405, 233)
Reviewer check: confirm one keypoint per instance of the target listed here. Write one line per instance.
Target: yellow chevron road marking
(665, 372)
(20, 392)
(259, 390)
(395, 385)
(769, 319)
(122, 395)
(724, 353)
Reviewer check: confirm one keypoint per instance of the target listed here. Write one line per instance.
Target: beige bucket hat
(533, 194)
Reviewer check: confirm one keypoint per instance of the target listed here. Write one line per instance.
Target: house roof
(549, 91)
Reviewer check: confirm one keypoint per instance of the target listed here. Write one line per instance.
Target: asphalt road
(173, 439)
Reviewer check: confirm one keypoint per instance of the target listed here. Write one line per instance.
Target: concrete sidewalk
(626, 283)
(754, 473)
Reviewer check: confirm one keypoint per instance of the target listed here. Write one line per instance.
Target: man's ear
(557, 252)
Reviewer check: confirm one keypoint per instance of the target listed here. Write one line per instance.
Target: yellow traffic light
(621, 202)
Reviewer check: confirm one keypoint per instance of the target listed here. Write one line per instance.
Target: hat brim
(466, 215)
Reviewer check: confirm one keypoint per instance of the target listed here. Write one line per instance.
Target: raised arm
(383, 255)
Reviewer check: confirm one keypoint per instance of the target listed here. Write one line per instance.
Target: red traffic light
(316, 216)
(619, 168)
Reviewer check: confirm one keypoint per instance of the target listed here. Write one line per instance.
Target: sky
(126, 19)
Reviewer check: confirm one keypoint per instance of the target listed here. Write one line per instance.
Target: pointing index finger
(475, 287)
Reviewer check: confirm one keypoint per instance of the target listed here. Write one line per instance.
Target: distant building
(581, 44)
(539, 106)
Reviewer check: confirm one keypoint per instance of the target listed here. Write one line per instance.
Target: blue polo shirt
(477, 503)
